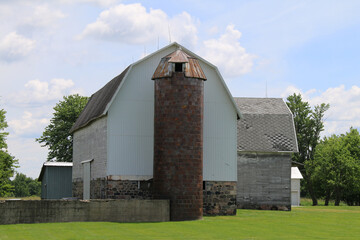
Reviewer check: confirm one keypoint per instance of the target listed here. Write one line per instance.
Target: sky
(49, 49)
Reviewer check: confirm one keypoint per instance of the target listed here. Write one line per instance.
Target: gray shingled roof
(95, 108)
(266, 126)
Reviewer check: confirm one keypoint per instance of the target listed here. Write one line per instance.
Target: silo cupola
(179, 61)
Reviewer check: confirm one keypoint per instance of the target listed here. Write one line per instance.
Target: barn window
(178, 67)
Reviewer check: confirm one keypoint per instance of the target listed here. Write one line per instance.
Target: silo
(178, 134)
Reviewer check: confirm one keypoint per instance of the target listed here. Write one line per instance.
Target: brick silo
(178, 134)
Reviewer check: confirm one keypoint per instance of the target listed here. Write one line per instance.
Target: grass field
(301, 223)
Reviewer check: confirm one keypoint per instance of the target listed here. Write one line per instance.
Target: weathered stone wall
(264, 181)
(115, 189)
(178, 144)
(219, 198)
(44, 211)
(90, 142)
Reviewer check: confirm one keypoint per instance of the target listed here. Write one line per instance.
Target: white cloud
(43, 16)
(28, 125)
(133, 24)
(227, 53)
(37, 91)
(14, 47)
(344, 109)
(103, 3)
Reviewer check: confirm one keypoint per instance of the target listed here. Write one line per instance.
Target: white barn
(114, 137)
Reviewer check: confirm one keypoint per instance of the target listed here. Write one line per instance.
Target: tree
(352, 191)
(308, 126)
(8, 163)
(56, 135)
(337, 168)
(25, 186)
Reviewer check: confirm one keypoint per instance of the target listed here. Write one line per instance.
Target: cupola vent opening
(178, 67)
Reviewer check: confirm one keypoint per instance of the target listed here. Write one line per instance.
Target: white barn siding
(90, 143)
(131, 122)
(131, 125)
(220, 130)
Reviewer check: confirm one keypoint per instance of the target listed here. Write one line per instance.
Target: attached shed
(266, 140)
(55, 178)
(295, 186)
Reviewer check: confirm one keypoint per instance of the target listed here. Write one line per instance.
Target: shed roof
(267, 126)
(53, 164)
(295, 173)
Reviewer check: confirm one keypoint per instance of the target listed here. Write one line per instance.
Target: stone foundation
(219, 198)
(115, 189)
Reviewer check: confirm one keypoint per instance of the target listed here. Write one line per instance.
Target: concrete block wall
(90, 142)
(46, 211)
(264, 181)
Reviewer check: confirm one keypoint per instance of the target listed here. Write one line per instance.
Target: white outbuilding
(295, 186)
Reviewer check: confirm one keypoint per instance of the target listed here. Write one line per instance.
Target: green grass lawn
(301, 223)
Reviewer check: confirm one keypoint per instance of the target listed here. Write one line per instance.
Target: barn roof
(267, 126)
(100, 101)
(95, 108)
(53, 164)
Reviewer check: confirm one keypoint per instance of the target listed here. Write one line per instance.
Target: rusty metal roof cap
(178, 57)
(192, 66)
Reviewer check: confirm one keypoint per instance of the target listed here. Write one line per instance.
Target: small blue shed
(56, 180)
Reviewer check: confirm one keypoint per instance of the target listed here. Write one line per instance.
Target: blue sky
(49, 49)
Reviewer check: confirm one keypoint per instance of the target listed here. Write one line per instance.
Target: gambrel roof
(95, 108)
(267, 125)
(100, 101)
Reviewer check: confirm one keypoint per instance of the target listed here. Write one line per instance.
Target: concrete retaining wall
(44, 211)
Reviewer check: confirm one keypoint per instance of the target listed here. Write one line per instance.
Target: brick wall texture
(178, 145)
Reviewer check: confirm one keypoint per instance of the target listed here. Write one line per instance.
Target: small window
(178, 67)
(204, 185)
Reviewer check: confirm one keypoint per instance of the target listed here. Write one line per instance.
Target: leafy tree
(3, 125)
(337, 168)
(352, 191)
(308, 126)
(25, 186)
(8, 163)
(56, 135)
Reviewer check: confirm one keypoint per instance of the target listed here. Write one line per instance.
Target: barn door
(86, 179)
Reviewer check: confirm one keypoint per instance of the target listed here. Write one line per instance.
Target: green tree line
(330, 166)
